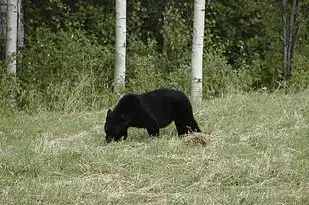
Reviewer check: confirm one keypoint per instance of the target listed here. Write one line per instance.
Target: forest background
(67, 59)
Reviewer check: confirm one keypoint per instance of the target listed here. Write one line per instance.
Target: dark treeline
(68, 58)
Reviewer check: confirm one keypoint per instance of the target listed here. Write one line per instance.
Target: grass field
(254, 150)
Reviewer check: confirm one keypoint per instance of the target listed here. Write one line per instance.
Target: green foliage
(147, 70)
(300, 78)
(6, 80)
(8, 86)
(176, 32)
(180, 78)
(63, 69)
(68, 61)
(217, 74)
(261, 74)
(243, 28)
(143, 75)
(135, 15)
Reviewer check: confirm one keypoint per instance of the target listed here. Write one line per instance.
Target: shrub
(64, 70)
(142, 74)
(150, 71)
(217, 74)
(6, 81)
(300, 78)
(8, 85)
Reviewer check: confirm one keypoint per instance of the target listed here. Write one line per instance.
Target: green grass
(255, 150)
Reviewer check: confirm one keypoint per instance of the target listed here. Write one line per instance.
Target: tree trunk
(285, 37)
(120, 50)
(294, 31)
(11, 42)
(197, 51)
(3, 25)
(290, 28)
(3, 15)
(164, 36)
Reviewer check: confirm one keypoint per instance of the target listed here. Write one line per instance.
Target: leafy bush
(6, 81)
(64, 70)
(147, 70)
(180, 78)
(262, 73)
(8, 85)
(142, 74)
(217, 74)
(300, 77)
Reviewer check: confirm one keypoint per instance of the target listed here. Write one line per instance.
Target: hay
(195, 138)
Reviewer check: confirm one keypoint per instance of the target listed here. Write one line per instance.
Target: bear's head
(115, 124)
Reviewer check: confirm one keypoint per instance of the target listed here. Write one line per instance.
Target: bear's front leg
(123, 133)
(153, 132)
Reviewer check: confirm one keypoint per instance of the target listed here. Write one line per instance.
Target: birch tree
(197, 51)
(120, 50)
(11, 41)
(290, 29)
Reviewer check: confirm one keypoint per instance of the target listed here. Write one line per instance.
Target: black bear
(153, 110)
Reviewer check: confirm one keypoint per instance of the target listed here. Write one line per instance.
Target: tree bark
(165, 38)
(197, 51)
(294, 31)
(120, 50)
(290, 28)
(3, 15)
(11, 42)
(285, 37)
(3, 25)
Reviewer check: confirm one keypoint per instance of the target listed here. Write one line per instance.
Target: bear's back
(162, 102)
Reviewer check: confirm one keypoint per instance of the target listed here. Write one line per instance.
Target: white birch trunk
(197, 51)
(11, 41)
(120, 50)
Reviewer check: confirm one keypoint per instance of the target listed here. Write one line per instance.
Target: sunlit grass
(254, 150)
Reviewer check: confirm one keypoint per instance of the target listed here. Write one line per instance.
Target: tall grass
(68, 96)
(254, 150)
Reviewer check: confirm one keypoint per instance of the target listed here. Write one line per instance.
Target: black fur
(153, 110)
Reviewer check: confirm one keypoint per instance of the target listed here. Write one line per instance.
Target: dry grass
(254, 150)
(194, 139)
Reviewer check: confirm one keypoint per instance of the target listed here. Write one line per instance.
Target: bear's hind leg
(185, 128)
(194, 126)
(181, 129)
